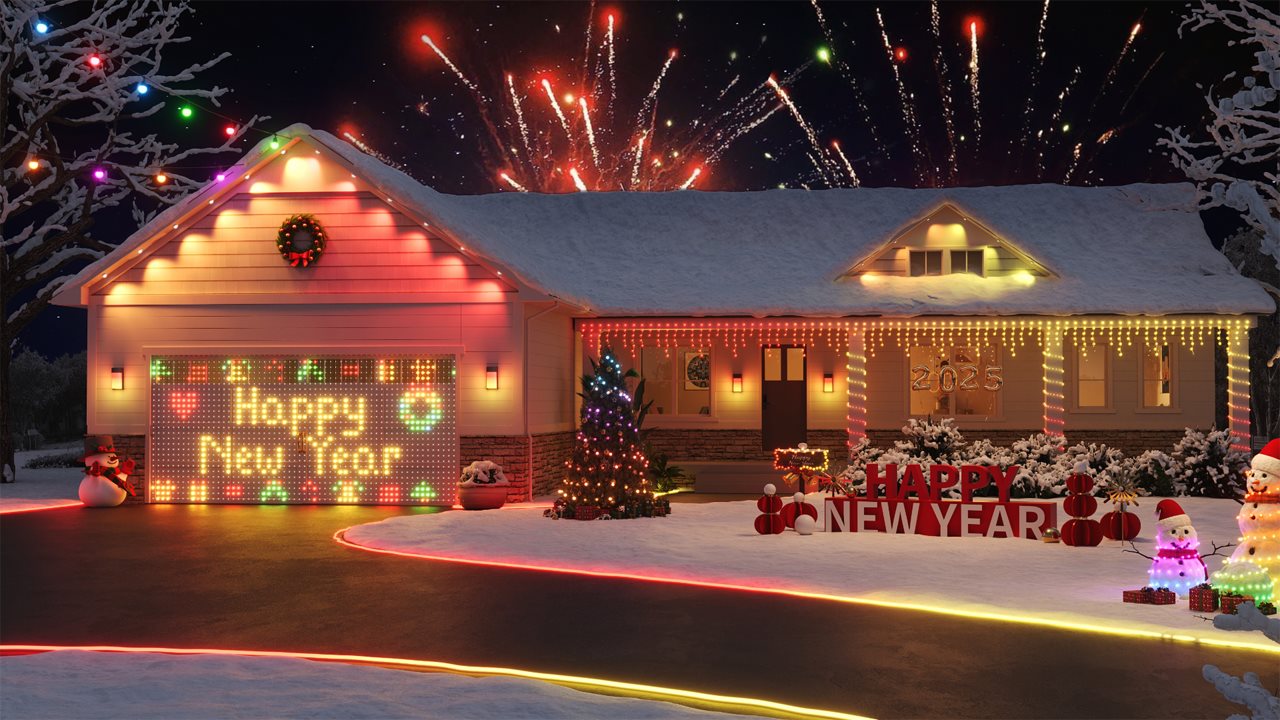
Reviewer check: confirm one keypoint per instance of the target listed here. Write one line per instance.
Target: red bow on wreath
(299, 257)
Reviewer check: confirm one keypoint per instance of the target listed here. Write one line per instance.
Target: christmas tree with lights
(606, 475)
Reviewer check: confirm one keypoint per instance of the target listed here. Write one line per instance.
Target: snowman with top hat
(106, 476)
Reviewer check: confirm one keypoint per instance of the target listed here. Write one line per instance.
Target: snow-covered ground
(75, 684)
(716, 542)
(43, 487)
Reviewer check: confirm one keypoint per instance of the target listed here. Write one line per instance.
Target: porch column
(856, 378)
(1054, 388)
(1238, 383)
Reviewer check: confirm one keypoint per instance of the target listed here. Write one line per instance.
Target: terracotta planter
(482, 497)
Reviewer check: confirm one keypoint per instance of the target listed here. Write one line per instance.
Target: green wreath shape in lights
(301, 240)
(421, 409)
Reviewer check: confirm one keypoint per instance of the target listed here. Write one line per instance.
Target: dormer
(948, 241)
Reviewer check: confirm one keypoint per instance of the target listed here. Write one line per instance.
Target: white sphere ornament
(805, 525)
(770, 489)
(798, 497)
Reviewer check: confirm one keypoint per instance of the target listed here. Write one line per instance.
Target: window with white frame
(677, 380)
(956, 381)
(1092, 365)
(1157, 376)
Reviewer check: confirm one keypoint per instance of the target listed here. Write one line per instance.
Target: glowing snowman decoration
(1254, 567)
(106, 476)
(1177, 564)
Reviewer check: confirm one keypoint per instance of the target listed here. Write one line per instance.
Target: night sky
(360, 68)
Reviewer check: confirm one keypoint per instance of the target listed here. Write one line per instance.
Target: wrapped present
(1204, 598)
(1267, 608)
(1142, 597)
(586, 512)
(1163, 596)
(1230, 601)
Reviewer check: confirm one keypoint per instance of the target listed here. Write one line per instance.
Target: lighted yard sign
(303, 429)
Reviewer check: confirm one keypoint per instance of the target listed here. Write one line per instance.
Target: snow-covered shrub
(1103, 464)
(863, 453)
(1153, 472)
(483, 472)
(1207, 466)
(1040, 475)
(57, 460)
(934, 441)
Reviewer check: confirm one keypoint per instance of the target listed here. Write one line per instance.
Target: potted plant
(483, 486)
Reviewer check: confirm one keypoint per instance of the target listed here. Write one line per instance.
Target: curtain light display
(862, 338)
(310, 430)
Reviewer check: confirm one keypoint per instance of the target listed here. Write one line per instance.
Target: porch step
(747, 478)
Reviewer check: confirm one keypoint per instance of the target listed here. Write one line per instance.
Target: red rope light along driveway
(272, 579)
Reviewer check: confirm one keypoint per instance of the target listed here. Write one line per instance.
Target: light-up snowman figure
(106, 476)
(1254, 567)
(1177, 564)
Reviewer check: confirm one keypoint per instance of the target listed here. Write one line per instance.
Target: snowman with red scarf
(106, 476)
(1177, 564)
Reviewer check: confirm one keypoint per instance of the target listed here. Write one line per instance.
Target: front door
(783, 397)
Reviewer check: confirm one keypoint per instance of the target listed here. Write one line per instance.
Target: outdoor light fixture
(828, 383)
(491, 377)
(737, 382)
(117, 378)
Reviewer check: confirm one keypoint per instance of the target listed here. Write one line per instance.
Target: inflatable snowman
(1254, 567)
(106, 477)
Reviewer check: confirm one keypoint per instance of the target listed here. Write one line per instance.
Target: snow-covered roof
(1126, 250)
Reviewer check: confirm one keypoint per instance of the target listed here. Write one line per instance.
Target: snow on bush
(933, 441)
(1207, 466)
(483, 472)
(1153, 472)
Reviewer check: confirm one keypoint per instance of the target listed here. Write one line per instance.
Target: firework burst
(557, 133)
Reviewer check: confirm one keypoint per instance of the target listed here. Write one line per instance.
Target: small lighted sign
(303, 429)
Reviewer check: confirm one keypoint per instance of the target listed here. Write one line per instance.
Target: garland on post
(301, 240)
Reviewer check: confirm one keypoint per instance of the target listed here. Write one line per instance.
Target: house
(425, 330)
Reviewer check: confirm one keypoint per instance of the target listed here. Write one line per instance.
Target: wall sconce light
(737, 382)
(828, 383)
(491, 377)
(117, 378)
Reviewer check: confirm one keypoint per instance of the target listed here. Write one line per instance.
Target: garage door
(303, 429)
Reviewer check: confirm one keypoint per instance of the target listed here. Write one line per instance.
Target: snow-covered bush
(934, 441)
(1153, 472)
(483, 472)
(1207, 466)
(1040, 475)
(1103, 464)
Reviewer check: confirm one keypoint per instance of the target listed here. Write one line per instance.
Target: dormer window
(967, 261)
(926, 262)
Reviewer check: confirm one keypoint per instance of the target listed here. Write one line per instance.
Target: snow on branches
(1235, 165)
(64, 117)
(82, 84)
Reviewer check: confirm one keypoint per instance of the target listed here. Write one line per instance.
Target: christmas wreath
(301, 240)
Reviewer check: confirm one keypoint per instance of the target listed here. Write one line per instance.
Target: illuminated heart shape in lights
(183, 404)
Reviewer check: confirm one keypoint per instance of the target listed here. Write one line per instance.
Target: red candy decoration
(769, 522)
(1078, 483)
(1080, 531)
(1120, 525)
(793, 510)
(1080, 505)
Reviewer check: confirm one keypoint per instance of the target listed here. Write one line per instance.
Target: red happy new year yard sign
(916, 505)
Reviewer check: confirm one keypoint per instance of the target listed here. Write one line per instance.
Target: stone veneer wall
(550, 450)
(135, 448)
(512, 452)
(703, 445)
